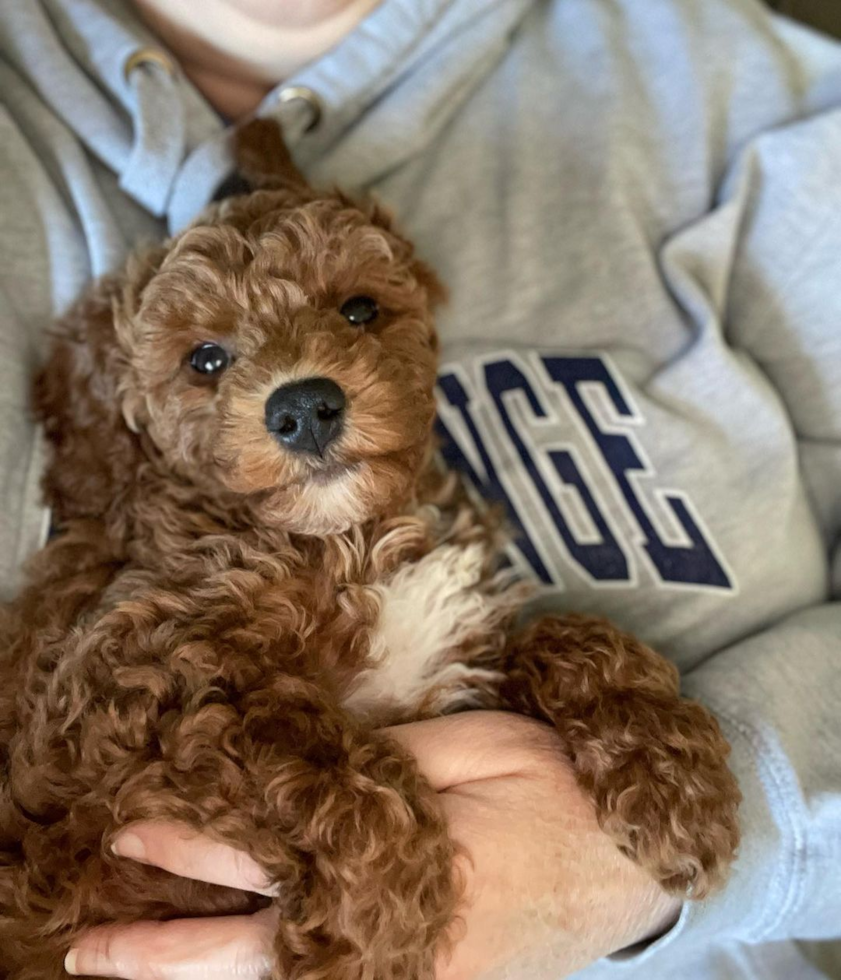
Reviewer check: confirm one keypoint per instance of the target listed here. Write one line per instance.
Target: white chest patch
(429, 612)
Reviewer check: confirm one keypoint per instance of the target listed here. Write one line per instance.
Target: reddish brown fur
(185, 646)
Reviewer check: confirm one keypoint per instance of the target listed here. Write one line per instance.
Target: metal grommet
(148, 56)
(300, 93)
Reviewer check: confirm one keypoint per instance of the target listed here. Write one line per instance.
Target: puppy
(259, 564)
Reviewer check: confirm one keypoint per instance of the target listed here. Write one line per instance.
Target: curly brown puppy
(258, 565)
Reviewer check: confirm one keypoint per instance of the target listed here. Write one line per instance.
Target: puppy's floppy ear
(79, 396)
(382, 216)
(263, 160)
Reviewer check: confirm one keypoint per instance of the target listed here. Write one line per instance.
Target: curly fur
(219, 627)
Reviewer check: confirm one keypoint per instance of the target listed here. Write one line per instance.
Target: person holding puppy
(635, 208)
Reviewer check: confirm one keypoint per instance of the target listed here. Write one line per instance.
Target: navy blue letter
(604, 560)
(692, 565)
(490, 487)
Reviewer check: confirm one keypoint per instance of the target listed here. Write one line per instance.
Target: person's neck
(236, 51)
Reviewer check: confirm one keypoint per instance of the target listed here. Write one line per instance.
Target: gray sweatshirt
(636, 205)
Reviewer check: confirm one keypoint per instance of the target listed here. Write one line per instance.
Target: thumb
(220, 948)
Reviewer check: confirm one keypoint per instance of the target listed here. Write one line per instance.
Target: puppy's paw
(672, 804)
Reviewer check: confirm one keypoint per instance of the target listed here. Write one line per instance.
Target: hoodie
(635, 205)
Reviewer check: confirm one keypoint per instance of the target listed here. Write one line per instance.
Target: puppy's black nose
(306, 416)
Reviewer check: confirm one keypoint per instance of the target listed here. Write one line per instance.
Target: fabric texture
(637, 210)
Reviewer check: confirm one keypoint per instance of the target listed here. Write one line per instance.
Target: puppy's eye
(209, 359)
(359, 310)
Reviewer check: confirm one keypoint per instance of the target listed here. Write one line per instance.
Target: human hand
(546, 891)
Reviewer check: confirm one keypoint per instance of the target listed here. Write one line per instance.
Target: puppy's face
(288, 351)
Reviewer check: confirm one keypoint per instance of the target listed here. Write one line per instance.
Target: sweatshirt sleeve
(776, 696)
(775, 234)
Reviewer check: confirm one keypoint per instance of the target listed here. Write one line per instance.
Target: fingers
(204, 949)
(179, 849)
(476, 745)
(223, 948)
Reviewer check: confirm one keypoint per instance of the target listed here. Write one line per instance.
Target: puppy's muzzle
(306, 416)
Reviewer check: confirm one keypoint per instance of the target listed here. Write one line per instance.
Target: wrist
(664, 915)
(659, 912)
